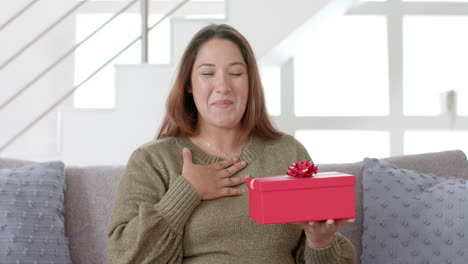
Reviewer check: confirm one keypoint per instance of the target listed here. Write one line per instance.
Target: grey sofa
(91, 190)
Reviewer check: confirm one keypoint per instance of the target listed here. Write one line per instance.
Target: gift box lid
(285, 182)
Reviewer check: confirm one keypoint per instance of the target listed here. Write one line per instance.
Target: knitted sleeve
(341, 251)
(149, 214)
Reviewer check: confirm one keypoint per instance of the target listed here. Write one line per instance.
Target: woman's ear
(189, 89)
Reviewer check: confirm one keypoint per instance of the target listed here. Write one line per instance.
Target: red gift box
(286, 199)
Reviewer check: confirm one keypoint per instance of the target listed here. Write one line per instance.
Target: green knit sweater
(158, 216)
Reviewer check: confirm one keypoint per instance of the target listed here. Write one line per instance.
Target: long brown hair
(182, 115)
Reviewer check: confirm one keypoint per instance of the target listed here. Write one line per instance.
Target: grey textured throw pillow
(411, 217)
(32, 214)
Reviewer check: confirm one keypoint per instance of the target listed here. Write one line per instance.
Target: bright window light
(434, 141)
(99, 92)
(343, 71)
(338, 146)
(437, 1)
(205, 16)
(435, 61)
(271, 80)
(159, 43)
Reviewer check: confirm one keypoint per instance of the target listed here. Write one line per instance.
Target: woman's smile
(222, 104)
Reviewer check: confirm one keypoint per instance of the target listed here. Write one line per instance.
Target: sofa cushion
(412, 217)
(32, 214)
(89, 201)
(442, 164)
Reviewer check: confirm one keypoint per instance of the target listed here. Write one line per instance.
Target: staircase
(107, 136)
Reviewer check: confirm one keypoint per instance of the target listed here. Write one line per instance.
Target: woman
(182, 198)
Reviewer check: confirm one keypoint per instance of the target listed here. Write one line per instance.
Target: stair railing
(61, 58)
(42, 34)
(18, 14)
(69, 93)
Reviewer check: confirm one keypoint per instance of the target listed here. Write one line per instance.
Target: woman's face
(220, 85)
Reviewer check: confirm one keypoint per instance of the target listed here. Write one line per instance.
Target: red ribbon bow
(302, 169)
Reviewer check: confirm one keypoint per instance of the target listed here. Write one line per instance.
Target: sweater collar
(254, 148)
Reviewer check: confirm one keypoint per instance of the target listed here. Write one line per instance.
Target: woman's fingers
(321, 234)
(224, 189)
(232, 181)
(342, 222)
(231, 192)
(187, 156)
(318, 226)
(228, 167)
(213, 181)
(229, 171)
(223, 164)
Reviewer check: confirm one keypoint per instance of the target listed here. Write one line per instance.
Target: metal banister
(19, 13)
(42, 34)
(69, 93)
(144, 31)
(61, 58)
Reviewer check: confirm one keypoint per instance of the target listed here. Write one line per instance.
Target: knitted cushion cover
(410, 217)
(32, 214)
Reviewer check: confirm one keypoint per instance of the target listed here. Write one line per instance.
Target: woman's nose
(222, 84)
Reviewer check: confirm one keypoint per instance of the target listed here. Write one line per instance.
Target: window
(435, 61)
(344, 145)
(372, 83)
(271, 80)
(437, 1)
(343, 66)
(99, 91)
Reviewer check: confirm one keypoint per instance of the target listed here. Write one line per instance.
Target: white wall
(109, 136)
(43, 138)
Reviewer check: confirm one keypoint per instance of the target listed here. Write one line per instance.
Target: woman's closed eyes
(212, 74)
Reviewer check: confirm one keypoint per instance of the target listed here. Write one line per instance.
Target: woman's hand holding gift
(321, 234)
